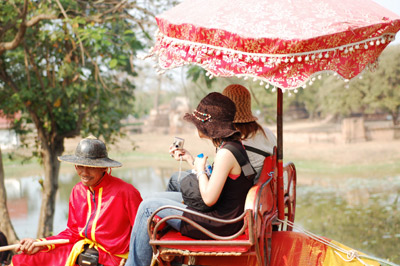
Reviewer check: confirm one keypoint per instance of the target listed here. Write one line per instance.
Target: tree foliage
(68, 68)
(381, 89)
(196, 73)
(65, 66)
(373, 91)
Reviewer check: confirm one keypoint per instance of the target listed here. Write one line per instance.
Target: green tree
(309, 98)
(374, 91)
(381, 88)
(339, 98)
(65, 66)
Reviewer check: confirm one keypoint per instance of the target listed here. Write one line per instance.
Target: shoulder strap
(244, 163)
(236, 152)
(258, 151)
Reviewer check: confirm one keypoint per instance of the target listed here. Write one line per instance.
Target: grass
(314, 169)
(312, 160)
(305, 168)
(19, 167)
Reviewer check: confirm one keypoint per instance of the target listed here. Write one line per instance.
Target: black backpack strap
(258, 151)
(244, 162)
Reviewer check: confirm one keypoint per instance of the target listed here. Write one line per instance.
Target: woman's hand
(181, 154)
(200, 164)
(224, 164)
(27, 246)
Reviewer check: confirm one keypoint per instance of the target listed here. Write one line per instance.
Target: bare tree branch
(97, 73)
(4, 46)
(35, 20)
(28, 75)
(79, 38)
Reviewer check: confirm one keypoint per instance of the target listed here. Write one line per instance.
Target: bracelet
(200, 173)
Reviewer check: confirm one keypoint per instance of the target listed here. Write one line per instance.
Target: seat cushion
(242, 243)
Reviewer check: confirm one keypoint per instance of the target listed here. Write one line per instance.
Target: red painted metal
(290, 193)
(279, 117)
(252, 247)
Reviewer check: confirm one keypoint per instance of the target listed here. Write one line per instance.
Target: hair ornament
(203, 117)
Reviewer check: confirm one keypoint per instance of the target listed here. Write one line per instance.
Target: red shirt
(105, 216)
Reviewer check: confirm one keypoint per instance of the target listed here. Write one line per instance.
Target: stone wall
(168, 118)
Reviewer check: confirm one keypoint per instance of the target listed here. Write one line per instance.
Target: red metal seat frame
(254, 237)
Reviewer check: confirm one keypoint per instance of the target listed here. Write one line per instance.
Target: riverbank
(316, 162)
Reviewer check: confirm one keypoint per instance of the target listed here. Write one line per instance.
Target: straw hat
(90, 152)
(242, 99)
(214, 116)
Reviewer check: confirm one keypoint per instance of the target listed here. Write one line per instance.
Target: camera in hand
(178, 143)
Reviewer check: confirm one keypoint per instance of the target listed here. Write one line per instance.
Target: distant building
(8, 138)
(178, 108)
(168, 118)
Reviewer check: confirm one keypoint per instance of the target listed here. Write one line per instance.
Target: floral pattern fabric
(282, 42)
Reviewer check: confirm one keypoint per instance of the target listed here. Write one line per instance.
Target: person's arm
(132, 203)
(224, 164)
(27, 246)
(181, 154)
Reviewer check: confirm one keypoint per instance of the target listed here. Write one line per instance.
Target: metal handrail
(253, 214)
(195, 225)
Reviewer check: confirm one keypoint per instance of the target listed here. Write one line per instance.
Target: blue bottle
(208, 166)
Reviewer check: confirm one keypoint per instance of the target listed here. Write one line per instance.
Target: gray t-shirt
(260, 142)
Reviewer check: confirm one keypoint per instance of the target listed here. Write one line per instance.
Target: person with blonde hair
(259, 142)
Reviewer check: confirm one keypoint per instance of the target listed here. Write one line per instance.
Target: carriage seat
(260, 211)
(173, 239)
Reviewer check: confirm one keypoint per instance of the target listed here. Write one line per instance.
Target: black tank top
(229, 205)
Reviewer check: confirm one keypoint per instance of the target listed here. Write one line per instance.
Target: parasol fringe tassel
(293, 57)
(196, 59)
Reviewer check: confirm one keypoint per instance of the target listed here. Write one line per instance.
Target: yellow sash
(79, 246)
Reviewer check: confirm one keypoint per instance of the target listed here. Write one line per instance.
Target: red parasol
(283, 43)
(280, 42)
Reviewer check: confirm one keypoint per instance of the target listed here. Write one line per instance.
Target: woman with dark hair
(259, 142)
(225, 190)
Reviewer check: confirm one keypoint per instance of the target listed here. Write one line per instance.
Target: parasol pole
(279, 129)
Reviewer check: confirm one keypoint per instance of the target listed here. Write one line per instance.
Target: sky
(394, 6)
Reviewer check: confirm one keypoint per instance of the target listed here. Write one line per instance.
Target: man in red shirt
(102, 210)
